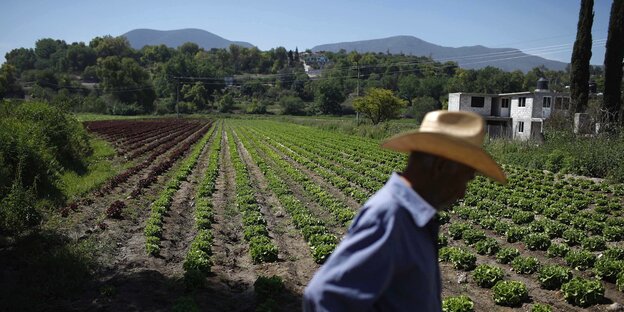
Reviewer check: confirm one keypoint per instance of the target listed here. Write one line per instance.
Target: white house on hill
(518, 115)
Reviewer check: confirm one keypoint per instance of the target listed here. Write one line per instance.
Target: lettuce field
(238, 214)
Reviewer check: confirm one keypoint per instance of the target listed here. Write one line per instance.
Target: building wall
(521, 114)
(465, 105)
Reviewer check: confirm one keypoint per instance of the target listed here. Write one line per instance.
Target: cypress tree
(581, 54)
(613, 62)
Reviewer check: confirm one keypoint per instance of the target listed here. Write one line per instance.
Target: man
(388, 261)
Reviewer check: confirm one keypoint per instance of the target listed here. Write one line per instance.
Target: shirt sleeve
(358, 271)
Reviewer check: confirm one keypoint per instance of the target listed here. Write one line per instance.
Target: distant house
(518, 115)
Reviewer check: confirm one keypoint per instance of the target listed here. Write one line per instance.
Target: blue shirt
(388, 261)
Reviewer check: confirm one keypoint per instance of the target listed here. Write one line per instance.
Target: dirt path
(296, 266)
(234, 275)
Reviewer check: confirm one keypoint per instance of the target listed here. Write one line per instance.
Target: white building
(518, 115)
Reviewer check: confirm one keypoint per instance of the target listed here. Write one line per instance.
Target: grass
(100, 167)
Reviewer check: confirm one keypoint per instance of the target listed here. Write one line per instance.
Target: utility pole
(357, 92)
(177, 97)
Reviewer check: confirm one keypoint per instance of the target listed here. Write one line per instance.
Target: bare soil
(295, 265)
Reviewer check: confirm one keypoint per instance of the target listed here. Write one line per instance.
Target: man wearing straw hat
(388, 260)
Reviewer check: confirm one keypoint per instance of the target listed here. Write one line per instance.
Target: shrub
(537, 241)
(487, 276)
(557, 250)
(580, 260)
(594, 243)
(457, 304)
(488, 246)
(583, 292)
(510, 293)
(525, 265)
(18, 210)
(608, 269)
(507, 254)
(552, 276)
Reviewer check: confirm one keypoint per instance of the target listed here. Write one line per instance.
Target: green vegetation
(510, 293)
(487, 276)
(583, 292)
(457, 304)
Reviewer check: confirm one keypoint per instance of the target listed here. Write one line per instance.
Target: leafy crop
(487, 276)
(583, 292)
(525, 265)
(552, 276)
(457, 304)
(510, 293)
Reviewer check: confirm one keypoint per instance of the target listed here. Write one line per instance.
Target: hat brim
(450, 148)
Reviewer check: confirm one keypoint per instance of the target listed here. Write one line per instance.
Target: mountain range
(478, 56)
(139, 38)
(471, 57)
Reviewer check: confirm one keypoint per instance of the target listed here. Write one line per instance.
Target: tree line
(109, 76)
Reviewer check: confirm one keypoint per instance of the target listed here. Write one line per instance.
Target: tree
(189, 48)
(79, 56)
(379, 105)
(581, 54)
(226, 103)
(23, 59)
(408, 87)
(291, 105)
(126, 81)
(614, 56)
(8, 82)
(196, 94)
(111, 46)
(328, 96)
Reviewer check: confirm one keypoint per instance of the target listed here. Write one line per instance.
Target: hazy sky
(546, 27)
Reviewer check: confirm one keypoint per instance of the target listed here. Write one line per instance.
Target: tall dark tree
(613, 62)
(581, 55)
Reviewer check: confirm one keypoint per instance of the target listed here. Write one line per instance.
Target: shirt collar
(421, 210)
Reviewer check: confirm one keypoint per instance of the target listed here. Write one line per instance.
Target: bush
(487, 276)
(525, 265)
(510, 293)
(291, 105)
(552, 276)
(583, 292)
(457, 304)
(18, 210)
(507, 254)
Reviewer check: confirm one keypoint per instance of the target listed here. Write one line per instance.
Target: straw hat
(457, 136)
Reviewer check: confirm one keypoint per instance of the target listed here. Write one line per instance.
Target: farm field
(237, 215)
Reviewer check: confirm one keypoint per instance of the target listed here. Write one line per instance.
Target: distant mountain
(467, 57)
(139, 38)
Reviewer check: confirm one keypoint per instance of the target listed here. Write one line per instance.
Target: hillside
(139, 38)
(467, 57)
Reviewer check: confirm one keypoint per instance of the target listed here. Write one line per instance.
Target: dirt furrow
(296, 265)
(233, 273)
